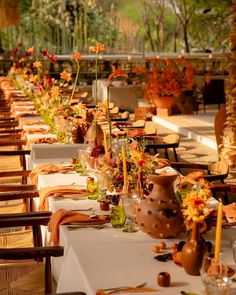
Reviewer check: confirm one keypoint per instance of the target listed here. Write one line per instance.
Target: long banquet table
(108, 257)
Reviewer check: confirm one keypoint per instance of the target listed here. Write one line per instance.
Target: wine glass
(84, 156)
(129, 203)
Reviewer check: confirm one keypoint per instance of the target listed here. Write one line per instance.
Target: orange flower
(66, 76)
(22, 60)
(30, 51)
(116, 73)
(98, 48)
(77, 56)
(37, 64)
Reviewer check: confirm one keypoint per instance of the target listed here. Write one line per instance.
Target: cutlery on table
(127, 289)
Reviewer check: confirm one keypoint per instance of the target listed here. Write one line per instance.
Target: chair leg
(176, 156)
(166, 154)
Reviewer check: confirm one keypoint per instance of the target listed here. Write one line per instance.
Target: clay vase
(159, 214)
(94, 134)
(193, 252)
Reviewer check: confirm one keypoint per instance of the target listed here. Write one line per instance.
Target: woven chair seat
(22, 278)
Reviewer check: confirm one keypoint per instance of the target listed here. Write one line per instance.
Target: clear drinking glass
(215, 277)
(129, 203)
(84, 156)
(233, 245)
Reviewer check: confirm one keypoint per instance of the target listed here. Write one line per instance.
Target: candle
(105, 144)
(218, 232)
(124, 168)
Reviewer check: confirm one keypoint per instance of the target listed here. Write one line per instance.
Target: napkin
(45, 140)
(71, 191)
(63, 216)
(18, 114)
(230, 210)
(49, 168)
(30, 122)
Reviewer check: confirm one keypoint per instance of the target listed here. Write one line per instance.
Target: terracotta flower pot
(164, 102)
(159, 214)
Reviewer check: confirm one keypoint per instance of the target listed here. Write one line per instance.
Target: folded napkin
(230, 210)
(17, 114)
(45, 140)
(65, 191)
(49, 168)
(30, 122)
(66, 217)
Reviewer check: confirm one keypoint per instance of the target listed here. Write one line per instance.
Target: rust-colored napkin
(49, 168)
(63, 216)
(230, 210)
(66, 191)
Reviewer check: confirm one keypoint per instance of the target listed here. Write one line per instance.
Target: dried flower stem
(76, 80)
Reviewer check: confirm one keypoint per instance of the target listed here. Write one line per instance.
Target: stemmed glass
(84, 156)
(130, 202)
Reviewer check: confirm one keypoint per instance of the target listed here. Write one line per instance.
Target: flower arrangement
(166, 77)
(194, 194)
(138, 164)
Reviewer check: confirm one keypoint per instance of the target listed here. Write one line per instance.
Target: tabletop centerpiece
(165, 81)
(194, 194)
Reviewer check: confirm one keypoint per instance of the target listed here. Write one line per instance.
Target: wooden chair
(22, 175)
(156, 143)
(18, 143)
(27, 271)
(20, 153)
(11, 134)
(222, 191)
(212, 172)
(9, 124)
(16, 201)
(216, 172)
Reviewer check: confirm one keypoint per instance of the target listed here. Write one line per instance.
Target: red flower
(116, 73)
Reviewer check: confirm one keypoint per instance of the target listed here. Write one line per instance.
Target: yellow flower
(37, 64)
(65, 76)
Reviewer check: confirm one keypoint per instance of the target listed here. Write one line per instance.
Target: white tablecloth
(95, 259)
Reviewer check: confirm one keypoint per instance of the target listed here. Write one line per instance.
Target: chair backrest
(23, 201)
(9, 175)
(33, 253)
(171, 138)
(220, 167)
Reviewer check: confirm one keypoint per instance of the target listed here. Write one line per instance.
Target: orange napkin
(63, 216)
(71, 191)
(47, 169)
(230, 210)
(18, 114)
(30, 122)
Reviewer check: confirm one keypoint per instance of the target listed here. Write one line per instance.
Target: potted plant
(166, 79)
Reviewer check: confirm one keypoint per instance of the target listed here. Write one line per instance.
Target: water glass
(215, 277)
(84, 156)
(130, 202)
(117, 216)
(233, 245)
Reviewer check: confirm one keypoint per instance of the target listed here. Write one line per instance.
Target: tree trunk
(185, 27)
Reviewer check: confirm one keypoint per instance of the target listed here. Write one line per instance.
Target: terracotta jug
(193, 252)
(94, 134)
(159, 214)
